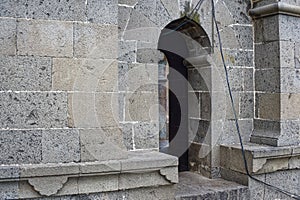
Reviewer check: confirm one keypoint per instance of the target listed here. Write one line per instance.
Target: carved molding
(275, 8)
(48, 186)
(169, 174)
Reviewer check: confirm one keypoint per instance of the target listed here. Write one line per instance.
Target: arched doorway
(180, 41)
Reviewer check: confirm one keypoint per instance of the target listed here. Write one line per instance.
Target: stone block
(111, 166)
(289, 132)
(127, 131)
(138, 77)
(239, 11)
(244, 35)
(127, 51)
(267, 80)
(9, 190)
(206, 106)
(102, 12)
(142, 160)
(270, 32)
(101, 144)
(12, 171)
(239, 58)
(128, 2)
(51, 10)
(267, 55)
(60, 146)
(147, 55)
(33, 110)
(142, 106)
(123, 17)
(87, 75)
(172, 8)
(95, 41)
(194, 104)
(107, 109)
(200, 78)
(131, 180)
(289, 80)
(265, 109)
(289, 28)
(8, 35)
(162, 15)
(246, 107)
(289, 106)
(21, 147)
(20, 73)
(146, 135)
(7, 9)
(95, 184)
(45, 38)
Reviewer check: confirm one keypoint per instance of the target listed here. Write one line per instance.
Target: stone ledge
(260, 158)
(141, 169)
(275, 8)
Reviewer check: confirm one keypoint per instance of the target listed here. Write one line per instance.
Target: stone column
(277, 72)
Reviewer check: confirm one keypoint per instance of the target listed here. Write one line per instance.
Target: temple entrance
(180, 41)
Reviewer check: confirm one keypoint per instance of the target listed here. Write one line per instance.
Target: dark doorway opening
(178, 41)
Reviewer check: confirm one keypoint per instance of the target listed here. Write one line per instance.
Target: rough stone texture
(45, 38)
(8, 36)
(95, 40)
(194, 186)
(60, 146)
(48, 186)
(87, 75)
(48, 10)
(99, 145)
(102, 12)
(33, 110)
(127, 132)
(9, 190)
(20, 147)
(127, 51)
(124, 13)
(146, 135)
(19, 73)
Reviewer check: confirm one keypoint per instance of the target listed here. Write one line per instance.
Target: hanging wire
(294, 196)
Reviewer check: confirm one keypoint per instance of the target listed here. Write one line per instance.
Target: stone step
(193, 186)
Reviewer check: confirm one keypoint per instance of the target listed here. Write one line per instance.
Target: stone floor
(196, 187)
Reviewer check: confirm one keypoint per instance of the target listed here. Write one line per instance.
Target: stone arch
(185, 45)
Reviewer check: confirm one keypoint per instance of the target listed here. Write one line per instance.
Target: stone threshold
(141, 169)
(261, 159)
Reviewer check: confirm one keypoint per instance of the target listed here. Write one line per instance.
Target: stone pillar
(277, 72)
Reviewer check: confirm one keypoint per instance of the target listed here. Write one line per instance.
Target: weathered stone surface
(33, 110)
(146, 135)
(130, 180)
(147, 55)
(49, 185)
(20, 73)
(95, 41)
(147, 160)
(94, 184)
(88, 75)
(102, 12)
(100, 167)
(7, 9)
(138, 77)
(9, 172)
(60, 146)
(7, 35)
(172, 8)
(246, 105)
(99, 145)
(239, 58)
(20, 147)
(51, 10)
(127, 51)
(127, 131)
(9, 190)
(195, 186)
(238, 10)
(124, 13)
(265, 109)
(45, 38)
(137, 101)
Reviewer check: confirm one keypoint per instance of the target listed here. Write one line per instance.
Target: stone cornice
(274, 9)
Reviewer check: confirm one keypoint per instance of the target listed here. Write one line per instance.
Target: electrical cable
(294, 196)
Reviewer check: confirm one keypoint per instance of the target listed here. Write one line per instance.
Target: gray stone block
(246, 109)
(20, 73)
(102, 12)
(8, 36)
(51, 10)
(127, 51)
(267, 80)
(60, 146)
(239, 58)
(12, 171)
(124, 13)
(268, 106)
(289, 80)
(95, 41)
(244, 35)
(127, 131)
(239, 10)
(33, 110)
(95, 184)
(7, 8)
(21, 147)
(9, 190)
(146, 135)
(145, 55)
(101, 145)
(45, 38)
